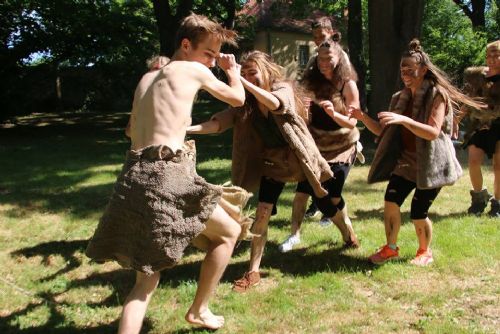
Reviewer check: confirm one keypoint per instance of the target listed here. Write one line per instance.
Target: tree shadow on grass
(53, 324)
(51, 155)
(300, 262)
(9, 323)
(193, 330)
(66, 249)
(296, 263)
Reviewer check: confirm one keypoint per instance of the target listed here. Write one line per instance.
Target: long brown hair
(439, 78)
(272, 73)
(315, 82)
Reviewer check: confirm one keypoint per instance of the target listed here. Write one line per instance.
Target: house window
(303, 55)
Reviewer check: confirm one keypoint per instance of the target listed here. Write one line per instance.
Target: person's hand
(327, 106)
(388, 117)
(227, 62)
(354, 112)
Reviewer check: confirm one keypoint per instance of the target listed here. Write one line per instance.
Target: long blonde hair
(272, 73)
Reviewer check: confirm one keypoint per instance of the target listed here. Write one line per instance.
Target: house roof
(276, 15)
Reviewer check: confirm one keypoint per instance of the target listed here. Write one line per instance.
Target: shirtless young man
(160, 204)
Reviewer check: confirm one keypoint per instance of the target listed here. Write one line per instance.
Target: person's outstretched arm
(372, 125)
(208, 127)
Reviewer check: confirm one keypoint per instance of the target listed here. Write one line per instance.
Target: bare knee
(233, 231)
(146, 284)
(391, 209)
(230, 232)
(221, 227)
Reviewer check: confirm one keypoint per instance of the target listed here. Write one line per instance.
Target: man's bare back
(163, 101)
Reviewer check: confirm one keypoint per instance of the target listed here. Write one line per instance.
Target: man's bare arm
(263, 96)
(233, 93)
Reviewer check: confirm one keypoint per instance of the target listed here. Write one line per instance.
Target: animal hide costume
(298, 161)
(336, 144)
(436, 160)
(158, 207)
(486, 121)
(477, 85)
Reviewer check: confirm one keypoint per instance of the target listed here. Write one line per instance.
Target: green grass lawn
(57, 171)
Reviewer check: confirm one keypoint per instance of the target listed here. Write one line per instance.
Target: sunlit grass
(54, 188)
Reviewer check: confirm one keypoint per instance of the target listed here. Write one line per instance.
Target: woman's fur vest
(437, 164)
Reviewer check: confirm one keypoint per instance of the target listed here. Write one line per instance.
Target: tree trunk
(168, 23)
(355, 43)
(164, 18)
(476, 13)
(391, 25)
(231, 13)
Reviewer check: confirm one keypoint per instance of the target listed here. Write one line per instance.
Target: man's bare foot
(205, 319)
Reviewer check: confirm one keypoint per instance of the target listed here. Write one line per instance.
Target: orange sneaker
(384, 254)
(423, 258)
(249, 279)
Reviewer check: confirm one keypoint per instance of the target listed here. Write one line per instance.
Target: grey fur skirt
(158, 207)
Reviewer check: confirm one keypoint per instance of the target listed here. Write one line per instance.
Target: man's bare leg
(392, 222)
(223, 232)
(137, 302)
(260, 228)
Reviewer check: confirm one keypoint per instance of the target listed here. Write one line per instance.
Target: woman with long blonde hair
(271, 146)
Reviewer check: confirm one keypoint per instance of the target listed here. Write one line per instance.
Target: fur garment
(307, 163)
(476, 85)
(436, 160)
(158, 207)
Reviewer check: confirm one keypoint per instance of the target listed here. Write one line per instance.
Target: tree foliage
(93, 51)
(451, 39)
(43, 43)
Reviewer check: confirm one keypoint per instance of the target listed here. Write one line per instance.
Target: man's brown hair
(323, 22)
(196, 27)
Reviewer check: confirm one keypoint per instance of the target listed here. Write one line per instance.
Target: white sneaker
(288, 244)
(324, 222)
